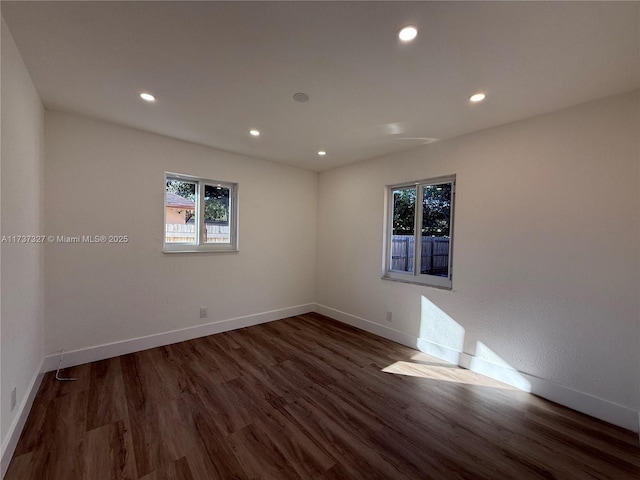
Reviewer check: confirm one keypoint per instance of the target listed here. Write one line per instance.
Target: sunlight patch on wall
(440, 335)
(489, 363)
(438, 327)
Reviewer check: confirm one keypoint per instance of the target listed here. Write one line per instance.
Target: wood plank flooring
(304, 398)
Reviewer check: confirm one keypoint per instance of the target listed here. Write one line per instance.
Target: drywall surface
(546, 247)
(22, 288)
(103, 179)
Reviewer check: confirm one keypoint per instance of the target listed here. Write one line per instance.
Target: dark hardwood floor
(304, 398)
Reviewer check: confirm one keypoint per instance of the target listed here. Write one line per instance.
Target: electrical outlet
(13, 398)
(203, 313)
(389, 317)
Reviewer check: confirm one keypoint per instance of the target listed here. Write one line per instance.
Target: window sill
(416, 282)
(202, 250)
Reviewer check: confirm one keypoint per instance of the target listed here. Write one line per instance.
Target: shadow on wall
(442, 337)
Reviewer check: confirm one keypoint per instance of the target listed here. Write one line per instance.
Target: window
(200, 215)
(420, 232)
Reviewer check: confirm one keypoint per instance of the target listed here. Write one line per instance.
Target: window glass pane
(217, 213)
(436, 223)
(180, 209)
(402, 238)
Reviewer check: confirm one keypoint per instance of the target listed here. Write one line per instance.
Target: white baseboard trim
(582, 402)
(597, 407)
(114, 349)
(507, 375)
(10, 442)
(367, 325)
(444, 353)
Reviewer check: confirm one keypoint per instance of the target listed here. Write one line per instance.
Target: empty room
(319, 240)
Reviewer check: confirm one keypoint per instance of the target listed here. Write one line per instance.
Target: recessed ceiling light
(255, 133)
(147, 97)
(322, 153)
(408, 33)
(478, 97)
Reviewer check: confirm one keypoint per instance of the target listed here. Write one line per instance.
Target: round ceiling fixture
(147, 97)
(478, 97)
(301, 97)
(322, 153)
(255, 133)
(408, 33)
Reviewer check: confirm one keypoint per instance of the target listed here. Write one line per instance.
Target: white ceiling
(219, 69)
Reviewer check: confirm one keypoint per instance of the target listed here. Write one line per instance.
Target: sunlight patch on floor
(445, 373)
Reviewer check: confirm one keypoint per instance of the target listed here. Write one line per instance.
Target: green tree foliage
(404, 208)
(216, 204)
(216, 199)
(436, 210)
(184, 189)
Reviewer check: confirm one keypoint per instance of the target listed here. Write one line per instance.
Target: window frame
(201, 232)
(415, 277)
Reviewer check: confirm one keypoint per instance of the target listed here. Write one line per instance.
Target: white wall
(21, 187)
(546, 249)
(103, 179)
